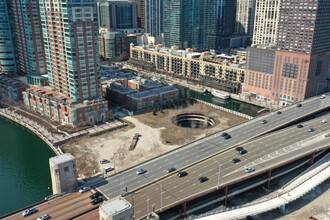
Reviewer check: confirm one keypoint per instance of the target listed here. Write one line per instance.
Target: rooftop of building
(153, 92)
(270, 46)
(62, 158)
(207, 56)
(36, 76)
(115, 206)
(121, 89)
(11, 82)
(146, 82)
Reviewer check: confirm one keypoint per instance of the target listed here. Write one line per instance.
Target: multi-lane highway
(195, 151)
(263, 154)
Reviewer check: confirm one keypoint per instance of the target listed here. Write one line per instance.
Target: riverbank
(25, 123)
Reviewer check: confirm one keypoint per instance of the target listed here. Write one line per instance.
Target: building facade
(8, 50)
(115, 15)
(70, 34)
(11, 89)
(245, 12)
(29, 40)
(266, 21)
(301, 62)
(153, 17)
(140, 12)
(218, 73)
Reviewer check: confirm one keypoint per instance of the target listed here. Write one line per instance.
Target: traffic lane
(90, 215)
(51, 207)
(185, 184)
(210, 149)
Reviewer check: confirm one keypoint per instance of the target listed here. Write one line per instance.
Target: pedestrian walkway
(297, 188)
(57, 139)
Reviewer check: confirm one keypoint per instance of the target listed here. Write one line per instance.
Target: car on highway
(227, 137)
(29, 211)
(300, 126)
(109, 169)
(322, 97)
(299, 105)
(242, 151)
(224, 134)
(171, 169)
(239, 148)
(249, 169)
(279, 112)
(84, 189)
(311, 129)
(95, 195)
(235, 160)
(96, 201)
(140, 171)
(182, 174)
(202, 179)
(327, 135)
(44, 217)
(104, 161)
(264, 122)
(324, 121)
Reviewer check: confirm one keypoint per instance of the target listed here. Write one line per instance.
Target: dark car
(29, 211)
(264, 122)
(95, 195)
(243, 151)
(182, 174)
(224, 134)
(235, 160)
(239, 148)
(279, 112)
(300, 126)
(299, 105)
(227, 137)
(169, 170)
(311, 129)
(95, 201)
(202, 179)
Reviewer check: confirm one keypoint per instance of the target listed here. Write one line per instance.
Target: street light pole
(219, 175)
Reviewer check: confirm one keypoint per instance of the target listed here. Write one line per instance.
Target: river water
(24, 167)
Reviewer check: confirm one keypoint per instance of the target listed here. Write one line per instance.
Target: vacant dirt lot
(158, 135)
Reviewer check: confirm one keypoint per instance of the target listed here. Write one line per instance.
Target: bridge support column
(269, 177)
(283, 207)
(184, 208)
(312, 158)
(226, 192)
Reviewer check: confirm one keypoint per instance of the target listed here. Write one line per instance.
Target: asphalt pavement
(116, 185)
(263, 153)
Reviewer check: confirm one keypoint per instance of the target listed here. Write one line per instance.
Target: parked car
(84, 189)
(235, 160)
(299, 105)
(243, 151)
(170, 170)
(311, 129)
(29, 211)
(109, 169)
(95, 195)
(182, 174)
(249, 170)
(96, 201)
(324, 121)
(202, 179)
(279, 112)
(104, 161)
(224, 134)
(264, 122)
(140, 171)
(300, 126)
(227, 137)
(322, 97)
(44, 217)
(327, 135)
(239, 148)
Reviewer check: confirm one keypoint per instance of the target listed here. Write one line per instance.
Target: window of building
(66, 169)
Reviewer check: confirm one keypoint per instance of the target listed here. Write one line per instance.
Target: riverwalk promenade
(57, 139)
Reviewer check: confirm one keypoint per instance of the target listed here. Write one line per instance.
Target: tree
(154, 112)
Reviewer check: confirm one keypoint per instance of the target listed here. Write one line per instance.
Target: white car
(322, 97)
(249, 170)
(324, 121)
(108, 169)
(43, 217)
(29, 211)
(140, 171)
(84, 189)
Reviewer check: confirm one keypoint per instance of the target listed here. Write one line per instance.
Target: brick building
(11, 89)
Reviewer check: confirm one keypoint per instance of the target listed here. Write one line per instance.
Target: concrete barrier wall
(225, 109)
